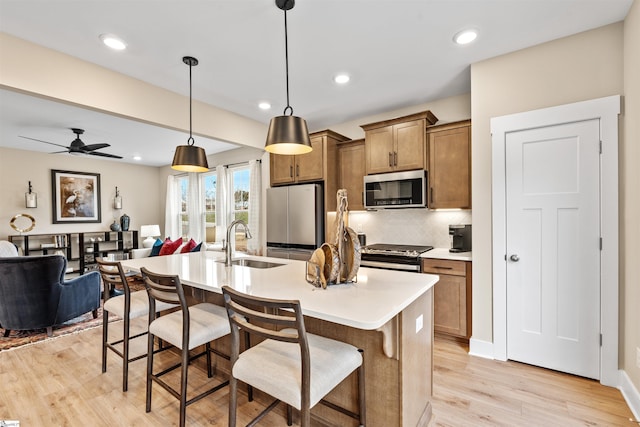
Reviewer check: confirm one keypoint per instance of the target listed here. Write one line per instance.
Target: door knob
(514, 258)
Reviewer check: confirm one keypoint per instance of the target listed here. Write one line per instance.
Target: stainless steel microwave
(396, 190)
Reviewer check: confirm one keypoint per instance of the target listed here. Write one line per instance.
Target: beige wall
(138, 186)
(630, 198)
(581, 67)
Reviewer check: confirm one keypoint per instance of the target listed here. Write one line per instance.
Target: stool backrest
(112, 274)
(165, 288)
(266, 317)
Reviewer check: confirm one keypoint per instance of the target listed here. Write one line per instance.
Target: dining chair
(127, 305)
(290, 365)
(186, 329)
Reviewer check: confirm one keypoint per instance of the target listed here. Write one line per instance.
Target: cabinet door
(281, 169)
(450, 305)
(352, 171)
(310, 166)
(450, 168)
(379, 150)
(409, 140)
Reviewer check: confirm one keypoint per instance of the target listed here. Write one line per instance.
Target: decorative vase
(115, 226)
(124, 222)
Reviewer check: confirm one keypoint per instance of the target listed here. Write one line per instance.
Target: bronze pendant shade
(287, 134)
(190, 158)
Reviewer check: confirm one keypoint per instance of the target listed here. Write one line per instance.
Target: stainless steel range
(393, 257)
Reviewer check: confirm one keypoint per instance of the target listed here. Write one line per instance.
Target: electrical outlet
(419, 323)
(638, 357)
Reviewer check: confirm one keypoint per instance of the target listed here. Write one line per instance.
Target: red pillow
(169, 247)
(188, 247)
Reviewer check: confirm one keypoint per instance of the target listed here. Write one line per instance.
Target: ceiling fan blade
(97, 153)
(92, 147)
(46, 142)
(59, 152)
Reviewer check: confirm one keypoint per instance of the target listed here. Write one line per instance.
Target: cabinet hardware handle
(395, 158)
(442, 268)
(297, 170)
(290, 171)
(390, 159)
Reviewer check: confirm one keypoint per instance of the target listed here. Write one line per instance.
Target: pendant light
(190, 158)
(288, 134)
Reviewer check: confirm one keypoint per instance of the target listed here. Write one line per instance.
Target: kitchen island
(386, 313)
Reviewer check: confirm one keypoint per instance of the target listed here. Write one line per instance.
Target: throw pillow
(197, 248)
(155, 249)
(170, 247)
(188, 247)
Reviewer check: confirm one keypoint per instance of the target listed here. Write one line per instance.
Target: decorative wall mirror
(22, 223)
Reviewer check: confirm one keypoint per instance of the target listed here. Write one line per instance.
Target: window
(209, 187)
(239, 185)
(182, 182)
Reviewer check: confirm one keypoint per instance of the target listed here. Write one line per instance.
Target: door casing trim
(606, 110)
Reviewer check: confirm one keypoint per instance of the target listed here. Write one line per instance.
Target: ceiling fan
(79, 147)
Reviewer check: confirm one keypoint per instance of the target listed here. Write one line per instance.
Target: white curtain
(172, 216)
(222, 202)
(195, 209)
(254, 245)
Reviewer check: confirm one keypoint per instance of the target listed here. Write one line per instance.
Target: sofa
(34, 293)
(168, 247)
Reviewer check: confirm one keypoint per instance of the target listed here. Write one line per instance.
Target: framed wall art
(76, 197)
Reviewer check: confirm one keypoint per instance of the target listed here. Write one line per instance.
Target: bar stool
(290, 365)
(127, 306)
(186, 329)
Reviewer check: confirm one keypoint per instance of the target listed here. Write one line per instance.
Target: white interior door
(553, 247)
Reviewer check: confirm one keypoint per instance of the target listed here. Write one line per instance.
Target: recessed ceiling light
(114, 42)
(264, 105)
(466, 36)
(341, 78)
(137, 158)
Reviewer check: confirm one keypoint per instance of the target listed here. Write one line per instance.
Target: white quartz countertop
(377, 297)
(443, 253)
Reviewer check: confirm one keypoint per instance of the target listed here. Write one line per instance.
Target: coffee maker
(460, 238)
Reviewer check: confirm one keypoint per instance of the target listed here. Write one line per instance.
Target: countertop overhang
(376, 297)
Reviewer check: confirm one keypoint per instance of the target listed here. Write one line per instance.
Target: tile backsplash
(408, 226)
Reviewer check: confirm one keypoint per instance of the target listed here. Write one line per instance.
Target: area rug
(21, 338)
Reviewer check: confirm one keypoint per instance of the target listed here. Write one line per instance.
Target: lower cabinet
(451, 297)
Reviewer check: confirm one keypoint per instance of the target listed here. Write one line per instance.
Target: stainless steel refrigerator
(295, 221)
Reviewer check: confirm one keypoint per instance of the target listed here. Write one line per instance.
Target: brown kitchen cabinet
(351, 172)
(451, 296)
(449, 165)
(398, 144)
(318, 165)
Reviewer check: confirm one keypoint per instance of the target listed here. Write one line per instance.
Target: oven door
(390, 263)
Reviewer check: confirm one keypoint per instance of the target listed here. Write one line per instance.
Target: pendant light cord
(190, 141)
(286, 60)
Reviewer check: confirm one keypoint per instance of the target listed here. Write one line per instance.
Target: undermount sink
(253, 263)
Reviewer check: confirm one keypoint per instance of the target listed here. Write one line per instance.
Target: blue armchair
(34, 293)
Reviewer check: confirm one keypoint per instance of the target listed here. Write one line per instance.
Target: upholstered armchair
(34, 293)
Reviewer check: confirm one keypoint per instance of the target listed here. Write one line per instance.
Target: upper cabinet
(397, 144)
(449, 165)
(352, 172)
(314, 166)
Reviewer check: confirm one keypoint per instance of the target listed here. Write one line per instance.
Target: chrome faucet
(227, 248)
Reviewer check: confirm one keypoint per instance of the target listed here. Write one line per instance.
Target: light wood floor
(59, 383)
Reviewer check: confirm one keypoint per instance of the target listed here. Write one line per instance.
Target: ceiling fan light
(190, 158)
(288, 135)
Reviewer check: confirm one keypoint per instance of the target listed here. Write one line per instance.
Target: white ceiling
(398, 52)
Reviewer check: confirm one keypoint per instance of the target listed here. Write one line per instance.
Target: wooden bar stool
(127, 306)
(186, 329)
(290, 365)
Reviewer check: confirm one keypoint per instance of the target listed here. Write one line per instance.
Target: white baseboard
(630, 394)
(481, 348)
